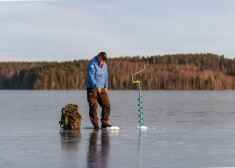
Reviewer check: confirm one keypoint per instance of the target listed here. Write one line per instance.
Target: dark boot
(106, 125)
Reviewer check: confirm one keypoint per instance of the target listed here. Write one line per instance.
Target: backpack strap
(61, 122)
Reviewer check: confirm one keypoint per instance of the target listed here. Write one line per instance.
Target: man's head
(103, 56)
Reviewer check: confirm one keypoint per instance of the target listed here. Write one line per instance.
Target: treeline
(168, 72)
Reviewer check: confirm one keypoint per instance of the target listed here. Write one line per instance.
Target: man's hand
(105, 90)
(99, 90)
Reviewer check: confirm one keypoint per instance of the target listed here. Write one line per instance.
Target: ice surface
(185, 129)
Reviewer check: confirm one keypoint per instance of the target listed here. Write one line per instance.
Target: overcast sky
(60, 30)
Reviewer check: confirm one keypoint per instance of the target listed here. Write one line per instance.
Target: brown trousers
(93, 97)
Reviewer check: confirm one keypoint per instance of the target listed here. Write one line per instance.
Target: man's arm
(106, 80)
(91, 75)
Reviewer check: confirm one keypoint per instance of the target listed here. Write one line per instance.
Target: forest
(162, 72)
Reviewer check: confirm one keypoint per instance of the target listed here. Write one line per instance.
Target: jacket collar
(96, 59)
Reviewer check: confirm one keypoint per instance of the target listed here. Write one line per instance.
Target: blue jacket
(96, 76)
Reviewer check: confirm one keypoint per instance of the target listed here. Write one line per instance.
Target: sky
(64, 30)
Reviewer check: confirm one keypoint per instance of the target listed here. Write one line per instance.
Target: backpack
(70, 117)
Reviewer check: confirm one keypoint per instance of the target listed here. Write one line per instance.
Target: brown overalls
(94, 98)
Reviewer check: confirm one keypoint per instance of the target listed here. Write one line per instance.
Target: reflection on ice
(140, 149)
(70, 139)
(98, 149)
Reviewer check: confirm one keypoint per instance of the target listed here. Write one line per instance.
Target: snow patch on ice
(113, 128)
(142, 127)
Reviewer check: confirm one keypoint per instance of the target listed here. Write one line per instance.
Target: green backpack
(70, 117)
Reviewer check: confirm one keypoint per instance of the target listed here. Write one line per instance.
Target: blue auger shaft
(140, 106)
(140, 97)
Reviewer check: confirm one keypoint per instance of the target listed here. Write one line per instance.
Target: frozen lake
(186, 129)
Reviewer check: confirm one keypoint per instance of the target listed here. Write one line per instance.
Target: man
(97, 90)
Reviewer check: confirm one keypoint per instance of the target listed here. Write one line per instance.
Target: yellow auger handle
(136, 81)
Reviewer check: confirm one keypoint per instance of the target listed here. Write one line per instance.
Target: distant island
(167, 72)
